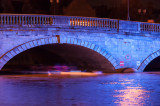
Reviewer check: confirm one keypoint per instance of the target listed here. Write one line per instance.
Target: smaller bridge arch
(148, 60)
(52, 40)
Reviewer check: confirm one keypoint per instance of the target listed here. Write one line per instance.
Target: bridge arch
(52, 40)
(148, 60)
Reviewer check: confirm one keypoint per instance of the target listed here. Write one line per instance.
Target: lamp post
(128, 16)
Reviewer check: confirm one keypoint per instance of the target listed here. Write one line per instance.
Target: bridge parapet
(77, 22)
(129, 26)
(88, 22)
(94, 22)
(150, 27)
(16, 19)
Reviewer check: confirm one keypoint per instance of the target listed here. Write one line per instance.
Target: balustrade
(88, 22)
(150, 27)
(16, 19)
(25, 19)
(93, 22)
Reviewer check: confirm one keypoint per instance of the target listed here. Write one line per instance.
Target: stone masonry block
(68, 40)
(110, 58)
(13, 53)
(104, 53)
(9, 55)
(95, 48)
(1, 65)
(115, 64)
(20, 48)
(54, 40)
(39, 42)
(43, 41)
(158, 54)
(16, 50)
(51, 40)
(24, 47)
(31, 44)
(2, 61)
(153, 56)
(113, 61)
(150, 58)
(146, 62)
(28, 45)
(71, 40)
(35, 43)
(46, 40)
(75, 41)
(89, 45)
(63, 39)
(82, 43)
(107, 56)
(143, 65)
(6, 58)
(79, 42)
(99, 49)
(85, 44)
(92, 46)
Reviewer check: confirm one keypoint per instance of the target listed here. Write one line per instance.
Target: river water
(136, 89)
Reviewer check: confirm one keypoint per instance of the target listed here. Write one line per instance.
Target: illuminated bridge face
(62, 54)
(124, 44)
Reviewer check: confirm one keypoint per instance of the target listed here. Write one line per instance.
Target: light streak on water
(87, 89)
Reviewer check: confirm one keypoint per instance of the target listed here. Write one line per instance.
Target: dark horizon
(140, 10)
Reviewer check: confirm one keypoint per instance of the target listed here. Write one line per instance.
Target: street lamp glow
(51, 1)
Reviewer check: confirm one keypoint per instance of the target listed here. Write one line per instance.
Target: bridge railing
(14, 19)
(150, 27)
(20, 19)
(93, 22)
(88, 22)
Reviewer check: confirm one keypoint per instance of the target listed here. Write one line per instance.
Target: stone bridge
(125, 44)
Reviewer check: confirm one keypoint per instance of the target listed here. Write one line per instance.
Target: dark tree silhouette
(27, 7)
(8, 7)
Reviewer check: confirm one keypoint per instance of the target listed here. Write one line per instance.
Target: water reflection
(66, 90)
(130, 91)
(132, 96)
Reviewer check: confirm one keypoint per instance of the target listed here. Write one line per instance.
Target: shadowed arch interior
(154, 65)
(151, 61)
(69, 54)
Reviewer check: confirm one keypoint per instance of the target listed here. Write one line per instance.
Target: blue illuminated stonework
(123, 43)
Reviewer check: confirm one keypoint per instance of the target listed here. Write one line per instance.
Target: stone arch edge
(51, 40)
(148, 60)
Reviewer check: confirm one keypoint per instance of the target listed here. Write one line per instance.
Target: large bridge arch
(148, 60)
(52, 40)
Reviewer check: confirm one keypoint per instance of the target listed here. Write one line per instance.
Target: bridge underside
(154, 65)
(46, 56)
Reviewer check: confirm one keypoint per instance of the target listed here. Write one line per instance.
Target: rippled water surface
(137, 89)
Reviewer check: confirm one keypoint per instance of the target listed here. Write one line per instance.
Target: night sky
(115, 9)
(156, 3)
(111, 2)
